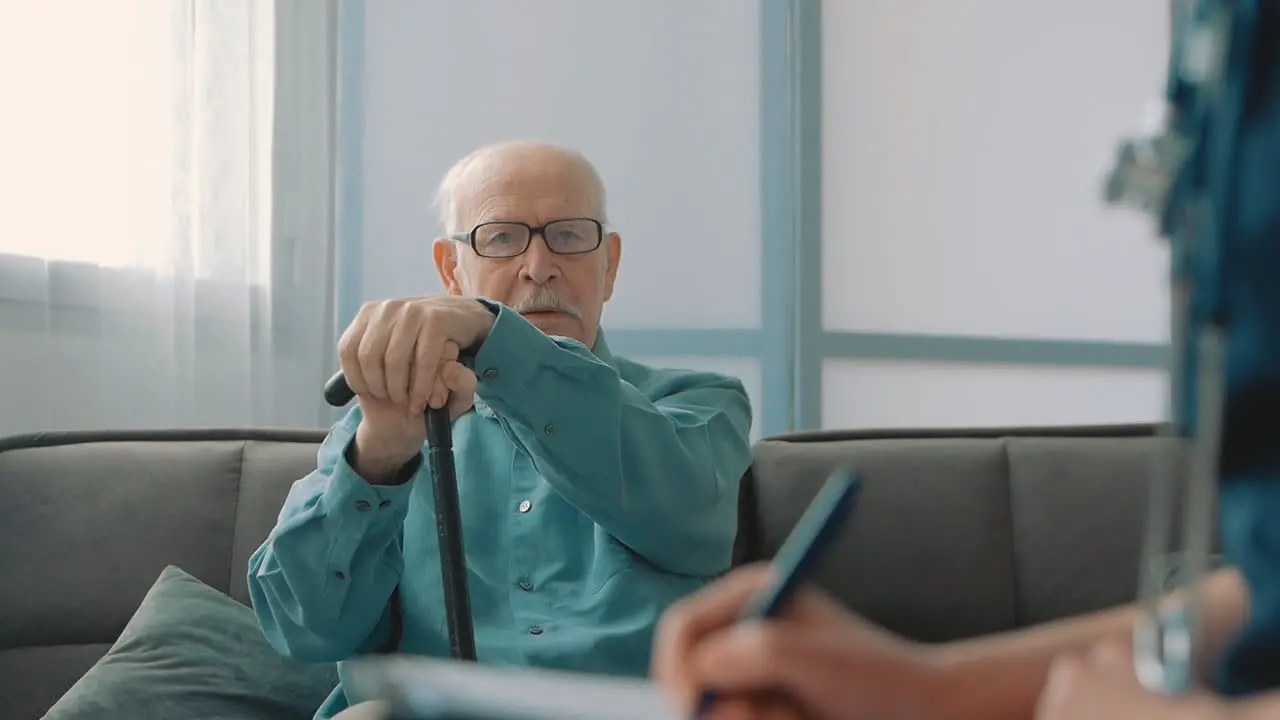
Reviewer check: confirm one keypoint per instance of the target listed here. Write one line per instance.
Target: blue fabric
(632, 477)
(1245, 168)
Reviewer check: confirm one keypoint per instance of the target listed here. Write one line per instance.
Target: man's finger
(424, 380)
(372, 353)
(439, 394)
(450, 351)
(455, 384)
(348, 352)
(399, 361)
(427, 362)
(457, 377)
(435, 391)
(461, 382)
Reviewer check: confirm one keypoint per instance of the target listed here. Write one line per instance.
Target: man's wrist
(486, 314)
(378, 466)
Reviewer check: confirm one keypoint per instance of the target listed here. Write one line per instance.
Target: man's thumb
(462, 387)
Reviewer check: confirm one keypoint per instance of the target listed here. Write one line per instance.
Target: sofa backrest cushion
(88, 521)
(965, 532)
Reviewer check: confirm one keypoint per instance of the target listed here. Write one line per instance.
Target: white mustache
(544, 299)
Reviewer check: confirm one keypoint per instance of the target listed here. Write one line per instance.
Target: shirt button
(339, 574)
(525, 505)
(549, 429)
(535, 630)
(491, 373)
(362, 505)
(526, 585)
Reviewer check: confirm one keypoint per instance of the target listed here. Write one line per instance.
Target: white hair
(447, 194)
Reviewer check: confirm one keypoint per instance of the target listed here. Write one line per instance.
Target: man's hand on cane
(401, 357)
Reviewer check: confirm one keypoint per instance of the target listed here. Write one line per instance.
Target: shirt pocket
(590, 574)
(614, 560)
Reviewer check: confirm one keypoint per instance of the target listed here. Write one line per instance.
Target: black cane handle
(337, 392)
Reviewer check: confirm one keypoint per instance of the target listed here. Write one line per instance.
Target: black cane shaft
(453, 565)
(444, 480)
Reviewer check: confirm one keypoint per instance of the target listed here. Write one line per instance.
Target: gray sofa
(958, 533)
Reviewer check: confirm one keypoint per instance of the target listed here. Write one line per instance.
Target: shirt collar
(601, 350)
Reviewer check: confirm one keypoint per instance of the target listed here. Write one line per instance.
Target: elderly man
(595, 491)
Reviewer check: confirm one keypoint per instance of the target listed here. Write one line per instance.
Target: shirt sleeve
(321, 581)
(657, 467)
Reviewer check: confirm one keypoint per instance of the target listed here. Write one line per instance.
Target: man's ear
(445, 252)
(613, 253)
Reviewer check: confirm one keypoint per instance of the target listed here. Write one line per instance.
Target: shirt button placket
(524, 583)
(524, 556)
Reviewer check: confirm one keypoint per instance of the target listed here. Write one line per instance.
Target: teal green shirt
(595, 492)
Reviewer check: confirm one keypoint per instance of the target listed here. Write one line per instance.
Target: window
(137, 134)
(87, 141)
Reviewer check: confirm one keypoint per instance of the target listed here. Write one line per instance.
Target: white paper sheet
(441, 688)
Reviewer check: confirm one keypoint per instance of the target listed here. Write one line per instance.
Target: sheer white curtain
(165, 213)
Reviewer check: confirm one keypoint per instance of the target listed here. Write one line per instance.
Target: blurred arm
(1001, 676)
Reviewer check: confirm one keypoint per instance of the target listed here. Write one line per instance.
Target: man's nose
(540, 264)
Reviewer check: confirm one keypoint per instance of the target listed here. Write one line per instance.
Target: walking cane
(453, 563)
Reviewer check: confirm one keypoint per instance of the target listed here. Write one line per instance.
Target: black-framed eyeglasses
(571, 236)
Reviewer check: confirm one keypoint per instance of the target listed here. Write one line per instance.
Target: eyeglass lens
(566, 237)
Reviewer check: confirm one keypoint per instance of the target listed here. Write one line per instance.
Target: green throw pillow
(191, 652)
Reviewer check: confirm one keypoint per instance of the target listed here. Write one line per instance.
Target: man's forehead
(530, 181)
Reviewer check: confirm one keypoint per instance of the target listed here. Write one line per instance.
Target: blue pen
(798, 556)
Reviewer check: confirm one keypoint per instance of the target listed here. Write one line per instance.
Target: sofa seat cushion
(192, 652)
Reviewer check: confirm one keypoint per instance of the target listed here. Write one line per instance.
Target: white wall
(964, 149)
(662, 95)
(905, 394)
